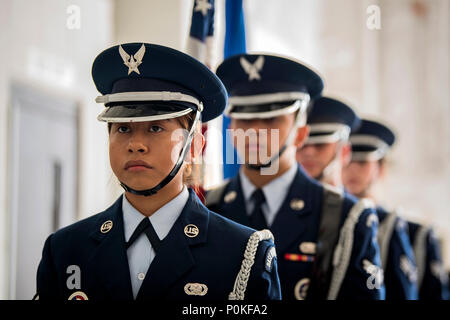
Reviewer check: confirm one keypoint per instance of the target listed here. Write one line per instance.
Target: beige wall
(161, 22)
(37, 49)
(414, 97)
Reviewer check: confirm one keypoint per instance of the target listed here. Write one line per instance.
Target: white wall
(39, 50)
(160, 22)
(284, 27)
(415, 98)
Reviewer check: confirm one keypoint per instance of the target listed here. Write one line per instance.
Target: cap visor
(144, 112)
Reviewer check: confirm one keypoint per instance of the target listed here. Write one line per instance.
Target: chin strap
(174, 170)
(332, 166)
(300, 121)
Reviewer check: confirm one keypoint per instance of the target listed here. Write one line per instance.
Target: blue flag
(234, 44)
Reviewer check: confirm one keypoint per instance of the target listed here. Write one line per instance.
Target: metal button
(230, 196)
(106, 226)
(191, 230)
(297, 204)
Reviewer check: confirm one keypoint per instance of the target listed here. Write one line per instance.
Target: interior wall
(41, 51)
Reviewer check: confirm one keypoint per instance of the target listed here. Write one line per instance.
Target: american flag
(200, 46)
(200, 43)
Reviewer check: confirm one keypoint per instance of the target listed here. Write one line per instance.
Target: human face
(358, 176)
(143, 153)
(258, 140)
(315, 157)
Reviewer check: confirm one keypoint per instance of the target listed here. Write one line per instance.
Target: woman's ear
(197, 145)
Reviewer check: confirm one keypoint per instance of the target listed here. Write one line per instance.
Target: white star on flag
(203, 6)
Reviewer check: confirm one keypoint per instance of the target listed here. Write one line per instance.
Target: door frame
(20, 93)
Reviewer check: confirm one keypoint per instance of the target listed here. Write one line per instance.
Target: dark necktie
(257, 219)
(145, 226)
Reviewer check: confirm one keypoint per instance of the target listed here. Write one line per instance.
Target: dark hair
(192, 171)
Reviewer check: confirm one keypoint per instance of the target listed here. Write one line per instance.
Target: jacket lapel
(109, 260)
(174, 258)
(291, 220)
(233, 202)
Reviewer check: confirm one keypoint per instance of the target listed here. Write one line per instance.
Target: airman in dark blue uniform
(432, 279)
(157, 241)
(370, 145)
(326, 242)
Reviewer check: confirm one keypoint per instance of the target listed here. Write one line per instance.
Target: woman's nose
(136, 145)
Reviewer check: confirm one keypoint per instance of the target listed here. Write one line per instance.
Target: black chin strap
(329, 167)
(297, 123)
(174, 170)
(268, 164)
(155, 189)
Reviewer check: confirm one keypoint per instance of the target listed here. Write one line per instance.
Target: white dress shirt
(275, 192)
(140, 253)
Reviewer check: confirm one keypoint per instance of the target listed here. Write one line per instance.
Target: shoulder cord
(384, 236)
(240, 284)
(342, 253)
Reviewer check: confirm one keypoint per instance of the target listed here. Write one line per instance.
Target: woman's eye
(123, 129)
(272, 120)
(155, 129)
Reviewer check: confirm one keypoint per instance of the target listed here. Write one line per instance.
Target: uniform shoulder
(350, 199)
(219, 223)
(214, 195)
(317, 186)
(221, 227)
(85, 226)
(364, 208)
(413, 226)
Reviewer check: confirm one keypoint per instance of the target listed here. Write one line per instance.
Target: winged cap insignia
(132, 61)
(252, 69)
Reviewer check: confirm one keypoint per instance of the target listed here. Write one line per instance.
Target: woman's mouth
(137, 165)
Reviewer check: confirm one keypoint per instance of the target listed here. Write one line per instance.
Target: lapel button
(230, 196)
(297, 204)
(308, 247)
(191, 230)
(106, 226)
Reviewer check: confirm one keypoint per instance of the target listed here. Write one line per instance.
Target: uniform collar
(299, 200)
(172, 261)
(275, 191)
(162, 219)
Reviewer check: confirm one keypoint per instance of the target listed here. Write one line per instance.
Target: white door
(43, 185)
